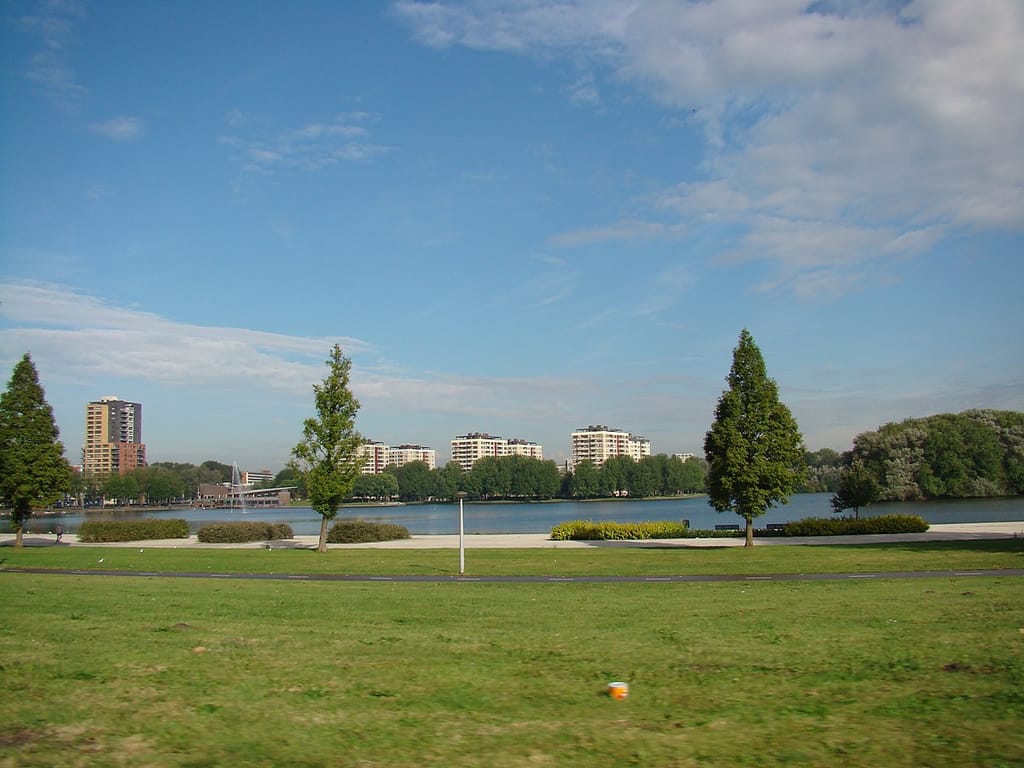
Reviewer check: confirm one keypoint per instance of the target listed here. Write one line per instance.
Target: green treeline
(977, 453)
(520, 477)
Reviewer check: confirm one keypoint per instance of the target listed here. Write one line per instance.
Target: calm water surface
(425, 519)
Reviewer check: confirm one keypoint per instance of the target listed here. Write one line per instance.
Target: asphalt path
(441, 579)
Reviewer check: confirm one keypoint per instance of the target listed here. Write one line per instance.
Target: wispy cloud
(313, 146)
(835, 134)
(50, 68)
(119, 128)
(75, 334)
(80, 330)
(629, 230)
(584, 92)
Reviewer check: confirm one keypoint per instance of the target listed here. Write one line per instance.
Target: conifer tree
(754, 448)
(33, 470)
(328, 457)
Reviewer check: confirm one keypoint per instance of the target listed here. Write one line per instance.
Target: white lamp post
(462, 535)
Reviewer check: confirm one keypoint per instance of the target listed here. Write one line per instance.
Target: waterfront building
(113, 437)
(517, 447)
(376, 454)
(599, 443)
(400, 455)
(469, 448)
(379, 455)
(249, 479)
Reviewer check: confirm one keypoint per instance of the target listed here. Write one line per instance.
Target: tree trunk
(750, 533)
(18, 537)
(322, 546)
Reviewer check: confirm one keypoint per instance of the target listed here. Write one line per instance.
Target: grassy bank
(153, 672)
(601, 559)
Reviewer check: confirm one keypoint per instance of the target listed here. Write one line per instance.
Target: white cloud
(74, 333)
(629, 230)
(78, 330)
(49, 67)
(836, 134)
(584, 92)
(311, 147)
(119, 128)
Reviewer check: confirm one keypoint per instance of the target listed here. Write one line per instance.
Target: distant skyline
(516, 217)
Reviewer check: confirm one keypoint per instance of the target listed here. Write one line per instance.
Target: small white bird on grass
(100, 560)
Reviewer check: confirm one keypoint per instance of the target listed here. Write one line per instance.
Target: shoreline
(938, 532)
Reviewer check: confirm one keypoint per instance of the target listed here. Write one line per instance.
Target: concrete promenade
(942, 532)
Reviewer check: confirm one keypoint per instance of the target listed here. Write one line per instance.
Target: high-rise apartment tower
(113, 437)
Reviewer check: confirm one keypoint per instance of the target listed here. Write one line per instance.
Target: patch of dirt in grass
(18, 738)
(959, 666)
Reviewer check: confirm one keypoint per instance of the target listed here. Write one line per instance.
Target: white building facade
(404, 454)
(599, 443)
(469, 448)
(379, 455)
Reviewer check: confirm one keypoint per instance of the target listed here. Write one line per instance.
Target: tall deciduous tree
(328, 457)
(754, 448)
(33, 470)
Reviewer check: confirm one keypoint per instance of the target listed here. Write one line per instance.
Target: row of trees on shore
(754, 458)
(521, 477)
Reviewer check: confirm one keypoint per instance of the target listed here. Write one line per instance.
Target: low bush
(586, 530)
(97, 531)
(851, 526)
(241, 531)
(364, 532)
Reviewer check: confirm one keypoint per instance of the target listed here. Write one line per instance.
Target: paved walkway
(942, 532)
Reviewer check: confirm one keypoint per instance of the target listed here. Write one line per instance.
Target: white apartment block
(517, 447)
(376, 454)
(404, 454)
(468, 449)
(379, 455)
(598, 443)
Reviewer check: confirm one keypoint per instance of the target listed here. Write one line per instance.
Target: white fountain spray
(236, 488)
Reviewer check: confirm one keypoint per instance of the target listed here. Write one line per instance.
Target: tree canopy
(33, 470)
(328, 457)
(857, 488)
(754, 449)
(976, 453)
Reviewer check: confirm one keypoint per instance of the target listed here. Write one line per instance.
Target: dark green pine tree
(33, 470)
(754, 449)
(328, 458)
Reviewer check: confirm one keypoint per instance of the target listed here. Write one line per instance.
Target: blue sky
(516, 217)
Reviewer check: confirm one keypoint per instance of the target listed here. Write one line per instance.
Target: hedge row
(583, 530)
(586, 530)
(96, 531)
(364, 532)
(241, 531)
(850, 526)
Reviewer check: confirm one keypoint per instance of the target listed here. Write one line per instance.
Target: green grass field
(604, 559)
(203, 672)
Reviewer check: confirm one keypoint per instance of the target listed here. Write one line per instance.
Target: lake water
(426, 519)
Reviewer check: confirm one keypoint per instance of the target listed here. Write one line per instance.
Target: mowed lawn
(136, 671)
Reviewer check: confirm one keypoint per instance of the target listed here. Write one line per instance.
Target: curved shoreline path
(947, 532)
(939, 532)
